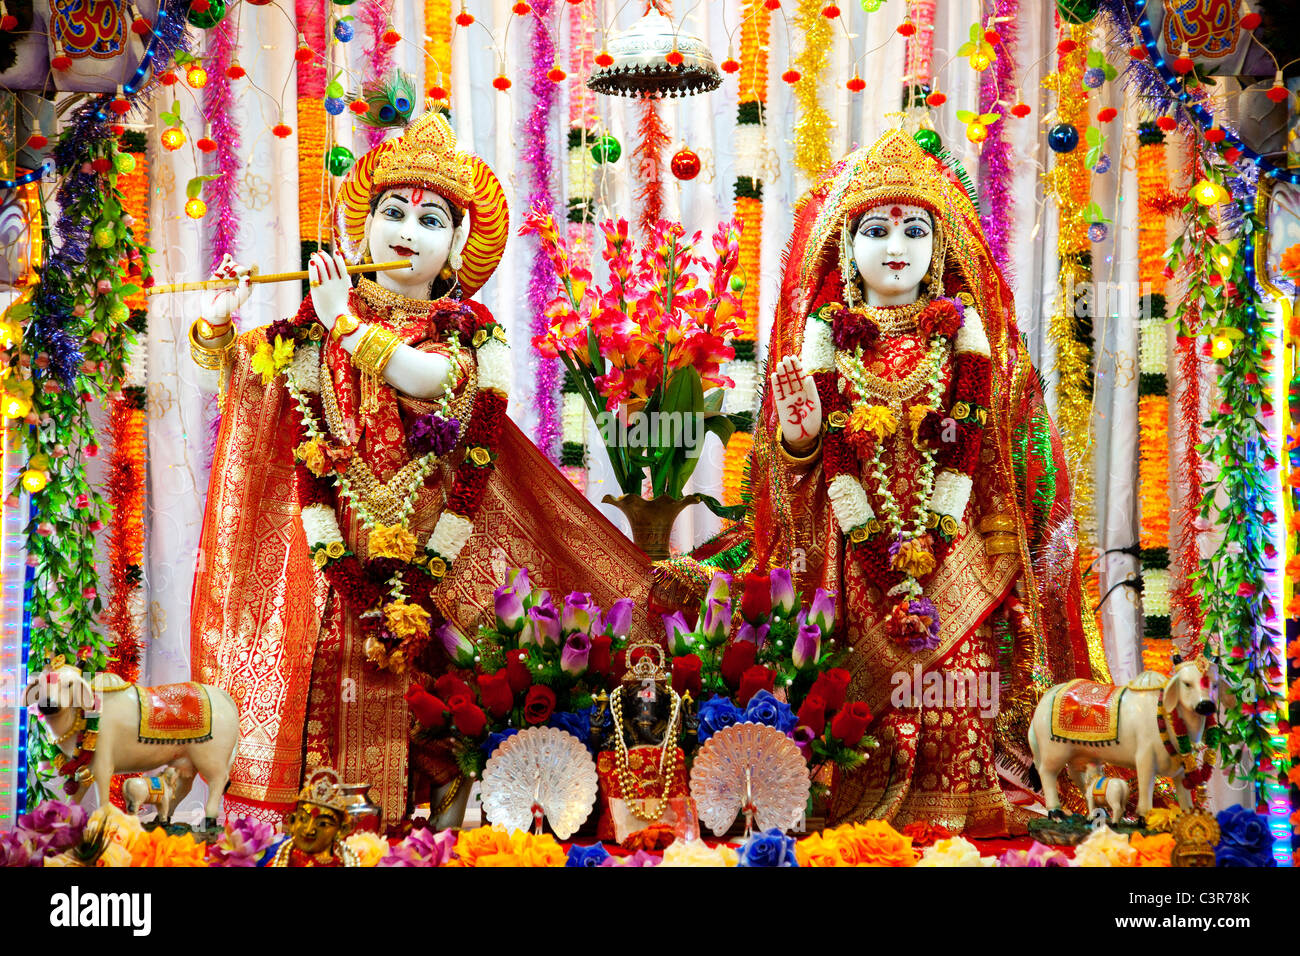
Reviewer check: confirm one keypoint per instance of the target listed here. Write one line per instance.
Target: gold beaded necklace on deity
(667, 757)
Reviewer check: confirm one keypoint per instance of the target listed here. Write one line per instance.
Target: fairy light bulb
(16, 406)
(34, 481)
(1206, 193)
(196, 77)
(1221, 347)
(980, 61)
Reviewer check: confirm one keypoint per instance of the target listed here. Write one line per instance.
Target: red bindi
(896, 213)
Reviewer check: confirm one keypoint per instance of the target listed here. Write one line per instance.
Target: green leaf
(1092, 136)
(713, 400)
(195, 185)
(684, 394)
(966, 49)
(986, 118)
(965, 116)
(1095, 58)
(722, 426)
(730, 512)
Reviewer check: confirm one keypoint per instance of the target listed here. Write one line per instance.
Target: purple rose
(508, 601)
(822, 612)
(573, 659)
(680, 637)
(433, 434)
(58, 824)
(245, 841)
(783, 599)
(804, 737)
(543, 626)
(715, 623)
(618, 622)
(639, 858)
(1036, 855)
(752, 635)
(422, 847)
(17, 851)
(807, 646)
(719, 587)
(460, 649)
(580, 613)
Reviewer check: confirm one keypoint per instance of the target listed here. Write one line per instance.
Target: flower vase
(362, 814)
(651, 519)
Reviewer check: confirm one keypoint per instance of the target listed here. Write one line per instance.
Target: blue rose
(494, 741)
(592, 855)
(763, 708)
(715, 714)
(578, 724)
(769, 848)
(1244, 839)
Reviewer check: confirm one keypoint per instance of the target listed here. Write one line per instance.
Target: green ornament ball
(210, 17)
(334, 90)
(928, 140)
(345, 3)
(871, 6)
(339, 160)
(119, 312)
(606, 149)
(124, 163)
(1078, 11)
(104, 236)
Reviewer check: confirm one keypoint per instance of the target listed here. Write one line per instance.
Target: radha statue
(904, 459)
(368, 487)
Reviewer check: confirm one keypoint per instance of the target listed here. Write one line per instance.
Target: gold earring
(447, 272)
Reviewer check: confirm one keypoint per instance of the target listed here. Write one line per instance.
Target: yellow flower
(1162, 818)
(957, 851)
(114, 855)
(874, 418)
(698, 853)
(370, 848)
(406, 620)
(1154, 850)
(312, 454)
(493, 846)
(914, 559)
(123, 827)
(392, 541)
(335, 549)
(270, 360)
(915, 416)
(1105, 847)
(480, 455)
(156, 848)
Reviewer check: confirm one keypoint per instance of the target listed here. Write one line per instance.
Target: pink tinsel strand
(379, 55)
(219, 115)
(582, 56)
(536, 158)
(310, 16)
(995, 176)
(919, 54)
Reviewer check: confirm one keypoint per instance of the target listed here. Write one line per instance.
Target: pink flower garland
(919, 55)
(536, 157)
(995, 186)
(379, 55)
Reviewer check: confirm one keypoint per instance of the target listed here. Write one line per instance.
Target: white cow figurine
(156, 790)
(63, 697)
(1110, 791)
(1185, 695)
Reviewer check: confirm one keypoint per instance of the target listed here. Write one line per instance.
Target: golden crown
(426, 155)
(323, 789)
(645, 666)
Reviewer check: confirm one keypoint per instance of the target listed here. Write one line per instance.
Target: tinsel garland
(812, 127)
(1071, 333)
(1240, 620)
(581, 217)
(742, 399)
(535, 157)
(226, 162)
(652, 140)
(918, 57)
(376, 16)
(997, 90)
(437, 44)
(313, 201)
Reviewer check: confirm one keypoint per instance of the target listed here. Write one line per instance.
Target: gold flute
(254, 278)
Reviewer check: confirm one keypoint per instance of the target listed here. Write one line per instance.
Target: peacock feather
(391, 101)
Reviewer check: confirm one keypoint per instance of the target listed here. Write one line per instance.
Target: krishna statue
(904, 460)
(368, 491)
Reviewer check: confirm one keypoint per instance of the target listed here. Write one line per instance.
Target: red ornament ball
(1182, 64)
(936, 99)
(772, 4)
(38, 141)
(464, 18)
(200, 6)
(437, 93)
(906, 28)
(730, 65)
(1277, 93)
(1231, 154)
(206, 145)
(1167, 123)
(604, 59)
(791, 76)
(1066, 46)
(1215, 135)
(139, 26)
(522, 9)
(992, 36)
(8, 23)
(830, 11)
(61, 62)
(169, 78)
(857, 84)
(101, 165)
(1250, 20)
(1020, 110)
(502, 82)
(120, 106)
(235, 71)
(1138, 52)
(282, 130)
(303, 54)
(1106, 115)
(358, 106)
(674, 57)
(392, 37)
(556, 74)
(686, 164)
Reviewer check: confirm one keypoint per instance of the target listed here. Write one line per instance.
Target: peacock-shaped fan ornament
(540, 772)
(751, 769)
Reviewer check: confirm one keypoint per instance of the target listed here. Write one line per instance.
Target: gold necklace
(869, 385)
(667, 757)
(894, 319)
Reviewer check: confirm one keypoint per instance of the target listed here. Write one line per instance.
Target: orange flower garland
(313, 201)
(437, 44)
(493, 846)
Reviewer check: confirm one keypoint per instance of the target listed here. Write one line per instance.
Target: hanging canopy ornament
(655, 59)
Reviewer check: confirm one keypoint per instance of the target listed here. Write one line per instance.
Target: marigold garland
(313, 202)
(812, 128)
(437, 44)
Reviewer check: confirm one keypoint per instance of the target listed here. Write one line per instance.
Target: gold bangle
(210, 357)
(375, 349)
(800, 459)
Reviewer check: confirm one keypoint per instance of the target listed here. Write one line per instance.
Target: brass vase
(362, 814)
(651, 519)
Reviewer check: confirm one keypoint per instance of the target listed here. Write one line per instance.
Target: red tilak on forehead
(896, 213)
(417, 196)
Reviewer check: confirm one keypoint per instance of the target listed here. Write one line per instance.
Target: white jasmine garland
(1155, 592)
(494, 366)
(449, 535)
(744, 394)
(749, 150)
(971, 336)
(1153, 346)
(573, 418)
(849, 502)
(818, 346)
(135, 362)
(582, 172)
(320, 525)
(951, 493)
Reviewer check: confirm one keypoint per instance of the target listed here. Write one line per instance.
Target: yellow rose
(1105, 847)
(311, 454)
(698, 853)
(1162, 818)
(915, 416)
(955, 852)
(877, 419)
(480, 455)
(392, 541)
(370, 848)
(335, 549)
(406, 620)
(913, 559)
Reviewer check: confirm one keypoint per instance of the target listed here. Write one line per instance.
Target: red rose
(539, 704)
(598, 661)
(495, 693)
(756, 601)
(517, 672)
(736, 659)
(851, 723)
(686, 676)
(813, 714)
(470, 720)
(755, 679)
(449, 685)
(427, 709)
(619, 665)
(460, 701)
(832, 687)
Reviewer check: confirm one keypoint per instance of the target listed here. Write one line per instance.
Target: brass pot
(651, 519)
(362, 814)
